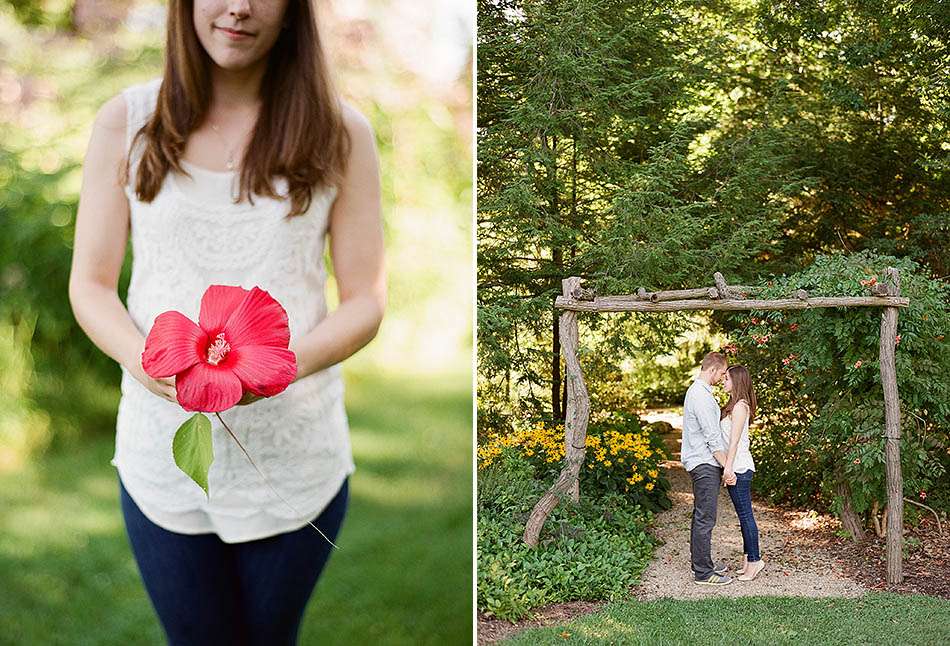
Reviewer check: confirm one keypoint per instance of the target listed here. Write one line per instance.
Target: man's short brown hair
(713, 360)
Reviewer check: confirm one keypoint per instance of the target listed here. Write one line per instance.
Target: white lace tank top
(743, 460)
(190, 236)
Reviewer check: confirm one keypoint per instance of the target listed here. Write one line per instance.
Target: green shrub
(821, 402)
(593, 550)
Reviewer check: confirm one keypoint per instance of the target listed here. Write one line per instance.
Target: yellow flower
(648, 486)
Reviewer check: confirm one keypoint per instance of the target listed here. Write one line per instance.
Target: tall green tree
(859, 90)
(572, 95)
(588, 114)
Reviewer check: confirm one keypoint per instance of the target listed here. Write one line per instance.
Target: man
(703, 457)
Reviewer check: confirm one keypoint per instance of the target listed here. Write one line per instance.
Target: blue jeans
(741, 494)
(209, 592)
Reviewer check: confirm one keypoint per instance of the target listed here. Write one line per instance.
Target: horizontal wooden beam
(635, 304)
(679, 294)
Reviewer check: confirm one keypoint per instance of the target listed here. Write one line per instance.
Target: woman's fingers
(166, 388)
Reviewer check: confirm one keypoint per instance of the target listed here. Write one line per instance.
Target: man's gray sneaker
(714, 579)
(720, 568)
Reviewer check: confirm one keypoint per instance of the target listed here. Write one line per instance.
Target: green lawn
(404, 575)
(876, 618)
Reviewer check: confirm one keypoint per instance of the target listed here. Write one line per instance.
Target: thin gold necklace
(235, 195)
(230, 160)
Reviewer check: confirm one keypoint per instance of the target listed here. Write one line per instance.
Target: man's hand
(729, 477)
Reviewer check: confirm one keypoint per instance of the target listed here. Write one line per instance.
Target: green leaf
(192, 449)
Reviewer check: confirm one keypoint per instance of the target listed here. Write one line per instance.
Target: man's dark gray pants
(706, 482)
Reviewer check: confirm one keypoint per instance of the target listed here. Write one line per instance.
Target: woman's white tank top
(743, 460)
(190, 236)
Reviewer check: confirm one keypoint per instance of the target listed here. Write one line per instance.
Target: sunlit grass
(875, 618)
(402, 575)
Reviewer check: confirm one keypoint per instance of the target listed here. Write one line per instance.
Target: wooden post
(892, 433)
(575, 425)
(721, 287)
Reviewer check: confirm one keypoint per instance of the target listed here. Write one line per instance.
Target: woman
(734, 424)
(231, 169)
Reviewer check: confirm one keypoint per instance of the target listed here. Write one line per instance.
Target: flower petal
(217, 304)
(264, 370)
(208, 388)
(258, 320)
(173, 345)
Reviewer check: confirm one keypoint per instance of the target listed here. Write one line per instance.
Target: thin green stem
(228, 429)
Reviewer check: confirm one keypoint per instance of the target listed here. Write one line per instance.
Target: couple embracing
(715, 452)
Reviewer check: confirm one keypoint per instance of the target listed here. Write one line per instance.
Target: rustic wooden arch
(575, 298)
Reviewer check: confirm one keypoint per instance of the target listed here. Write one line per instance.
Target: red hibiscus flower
(239, 344)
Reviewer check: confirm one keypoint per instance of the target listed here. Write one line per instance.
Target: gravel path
(791, 543)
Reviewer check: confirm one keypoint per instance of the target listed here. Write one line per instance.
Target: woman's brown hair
(741, 389)
(299, 132)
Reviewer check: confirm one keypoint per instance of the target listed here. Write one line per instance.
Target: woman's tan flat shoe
(752, 571)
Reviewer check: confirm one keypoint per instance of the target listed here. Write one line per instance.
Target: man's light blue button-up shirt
(701, 434)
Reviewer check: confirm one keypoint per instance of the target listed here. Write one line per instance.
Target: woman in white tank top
(740, 468)
(233, 168)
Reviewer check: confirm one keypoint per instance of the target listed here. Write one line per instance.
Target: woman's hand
(164, 387)
(728, 475)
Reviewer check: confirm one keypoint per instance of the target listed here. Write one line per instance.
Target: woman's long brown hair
(299, 132)
(741, 389)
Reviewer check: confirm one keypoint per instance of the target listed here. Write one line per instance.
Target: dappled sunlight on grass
(415, 491)
(61, 525)
(99, 486)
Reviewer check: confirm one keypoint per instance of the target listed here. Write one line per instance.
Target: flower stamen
(218, 350)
